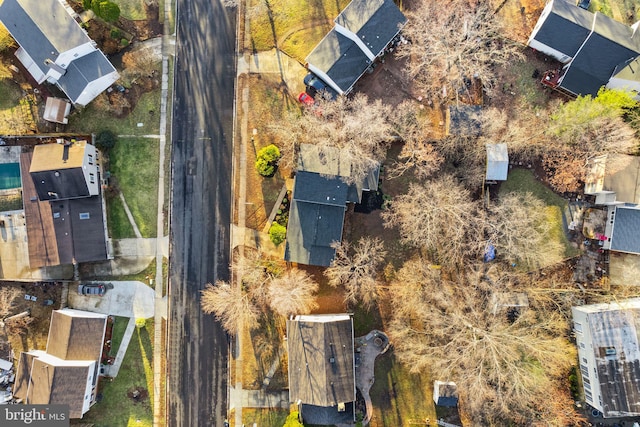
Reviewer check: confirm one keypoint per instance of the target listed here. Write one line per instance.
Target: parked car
(306, 99)
(92, 289)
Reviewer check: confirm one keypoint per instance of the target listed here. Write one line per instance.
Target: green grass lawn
(264, 417)
(522, 180)
(399, 397)
(115, 408)
(291, 15)
(9, 94)
(626, 11)
(92, 120)
(119, 327)
(117, 220)
(131, 9)
(298, 44)
(133, 162)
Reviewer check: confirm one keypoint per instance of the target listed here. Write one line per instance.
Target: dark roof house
(609, 354)
(318, 204)
(623, 229)
(316, 217)
(67, 372)
(63, 205)
(54, 48)
(321, 367)
(594, 48)
(361, 33)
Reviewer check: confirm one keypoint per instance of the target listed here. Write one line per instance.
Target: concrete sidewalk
(259, 399)
(112, 370)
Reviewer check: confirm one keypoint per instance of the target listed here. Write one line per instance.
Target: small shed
(56, 110)
(445, 393)
(497, 162)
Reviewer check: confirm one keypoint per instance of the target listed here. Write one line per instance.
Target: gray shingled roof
(565, 28)
(83, 71)
(374, 22)
(43, 28)
(626, 230)
(340, 58)
(321, 361)
(316, 217)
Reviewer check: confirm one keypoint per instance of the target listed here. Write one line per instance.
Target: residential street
(200, 217)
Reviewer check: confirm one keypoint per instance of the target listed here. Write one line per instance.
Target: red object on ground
(306, 99)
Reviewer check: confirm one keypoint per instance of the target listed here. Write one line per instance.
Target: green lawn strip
(527, 88)
(9, 94)
(117, 219)
(131, 9)
(300, 44)
(400, 397)
(117, 333)
(522, 180)
(116, 408)
(289, 15)
(133, 162)
(92, 120)
(264, 417)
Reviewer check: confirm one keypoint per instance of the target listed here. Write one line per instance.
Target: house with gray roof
(321, 192)
(361, 33)
(54, 48)
(67, 371)
(609, 354)
(322, 368)
(593, 48)
(623, 228)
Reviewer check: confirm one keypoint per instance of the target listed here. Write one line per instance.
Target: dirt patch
(138, 394)
(44, 298)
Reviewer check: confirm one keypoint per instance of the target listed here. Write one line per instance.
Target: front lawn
(264, 417)
(288, 16)
(131, 9)
(134, 164)
(118, 409)
(9, 93)
(117, 219)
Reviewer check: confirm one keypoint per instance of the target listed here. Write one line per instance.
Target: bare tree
(438, 217)
(518, 226)
(231, 305)
(293, 292)
(8, 296)
(19, 325)
(418, 152)
(504, 366)
(358, 128)
(141, 62)
(357, 270)
(452, 42)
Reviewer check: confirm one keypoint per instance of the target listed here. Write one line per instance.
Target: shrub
(267, 160)
(106, 140)
(116, 34)
(265, 168)
(108, 11)
(86, 4)
(277, 233)
(140, 322)
(292, 420)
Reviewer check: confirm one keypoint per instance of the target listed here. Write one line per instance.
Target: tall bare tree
(293, 292)
(356, 269)
(418, 152)
(438, 217)
(360, 129)
(452, 42)
(503, 366)
(230, 304)
(518, 226)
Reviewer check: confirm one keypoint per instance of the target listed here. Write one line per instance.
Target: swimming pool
(9, 176)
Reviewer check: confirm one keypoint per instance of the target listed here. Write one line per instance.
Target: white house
(609, 353)
(54, 48)
(67, 372)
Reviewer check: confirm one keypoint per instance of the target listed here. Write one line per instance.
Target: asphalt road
(200, 216)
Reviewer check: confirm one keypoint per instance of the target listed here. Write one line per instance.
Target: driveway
(126, 299)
